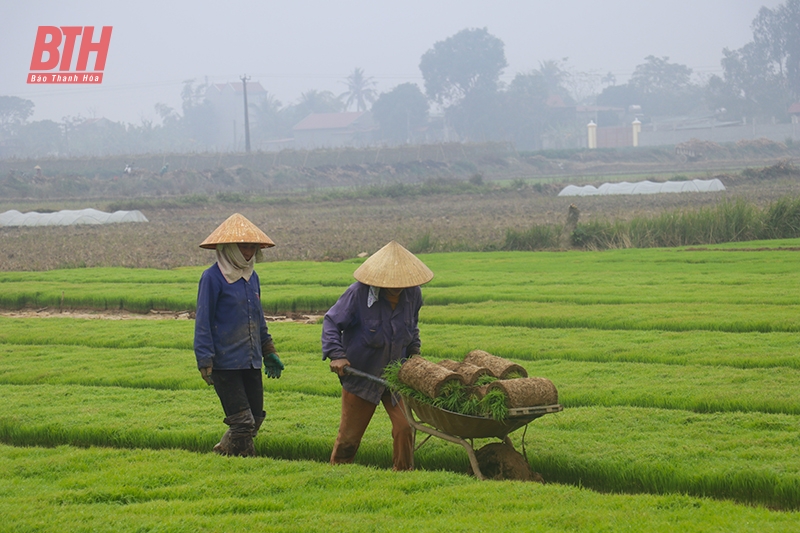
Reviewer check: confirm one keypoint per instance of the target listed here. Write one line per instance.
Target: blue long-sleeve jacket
(371, 337)
(229, 328)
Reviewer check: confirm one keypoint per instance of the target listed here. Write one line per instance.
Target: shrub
(424, 244)
(231, 197)
(729, 221)
(476, 179)
(782, 219)
(783, 168)
(600, 236)
(539, 237)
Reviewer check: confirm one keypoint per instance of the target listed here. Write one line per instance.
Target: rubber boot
(238, 440)
(259, 421)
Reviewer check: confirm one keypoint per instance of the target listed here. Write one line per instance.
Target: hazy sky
(297, 45)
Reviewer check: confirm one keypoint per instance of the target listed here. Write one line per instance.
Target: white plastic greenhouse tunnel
(69, 218)
(644, 187)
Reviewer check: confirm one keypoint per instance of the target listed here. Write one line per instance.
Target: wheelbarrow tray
(457, 428)
(477, 427)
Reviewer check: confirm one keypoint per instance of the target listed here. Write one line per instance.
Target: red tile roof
(794, 108)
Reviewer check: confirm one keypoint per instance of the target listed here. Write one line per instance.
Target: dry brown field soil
(317, 229)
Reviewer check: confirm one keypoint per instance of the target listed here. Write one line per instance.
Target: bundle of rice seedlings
(493, 405)
(426, 377)
(476, 392)
(469, 372)
(454, 396)
(484, 380)
(502, 368)
(525, 392)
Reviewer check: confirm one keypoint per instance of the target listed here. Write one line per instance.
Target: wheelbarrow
(457, 427)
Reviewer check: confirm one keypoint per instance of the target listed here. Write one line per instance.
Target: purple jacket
(370, 337)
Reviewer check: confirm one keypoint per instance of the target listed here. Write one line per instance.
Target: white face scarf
(372, 297)
(233, 264)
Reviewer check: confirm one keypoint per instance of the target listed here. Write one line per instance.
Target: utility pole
(246, 120)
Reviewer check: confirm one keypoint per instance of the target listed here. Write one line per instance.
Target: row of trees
(462, 76)
(462, 82)
(762, 77)
(759, 80)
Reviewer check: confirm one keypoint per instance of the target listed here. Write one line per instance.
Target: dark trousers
(356, 414)
(240, 390)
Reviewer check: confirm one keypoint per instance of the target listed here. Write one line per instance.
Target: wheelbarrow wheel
(500, 461)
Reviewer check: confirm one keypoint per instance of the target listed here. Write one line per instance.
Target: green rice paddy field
(678, 370)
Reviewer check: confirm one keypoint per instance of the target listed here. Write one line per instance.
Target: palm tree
(314, 101)
(360, 90)
(267, 116)
(554, 74)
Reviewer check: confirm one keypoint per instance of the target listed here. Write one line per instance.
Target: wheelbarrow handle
(355, 372)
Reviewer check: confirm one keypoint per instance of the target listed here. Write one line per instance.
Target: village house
(330, 130)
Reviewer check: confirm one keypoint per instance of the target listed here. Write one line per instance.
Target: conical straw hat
(237, 229)
(393, 267)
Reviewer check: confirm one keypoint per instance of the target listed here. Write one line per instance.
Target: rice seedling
(711, 348)
(144, 368)
(701, 389)
(647, 276)
(112, 490)
(141, 298)
(174, 334)
(730, 455)
(455, 396)
(677, 367)
(447, 341)
(493, 405)
(619, 449)
(679, 317)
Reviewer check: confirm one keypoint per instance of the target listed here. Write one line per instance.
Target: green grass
(142, 297)
(742, 456)
(108, 490)
(713, 348)
(758, 273)
(147, 367)
(762, 318)
(693, 387)
(677, 369)
(701, 389)
(621, 449)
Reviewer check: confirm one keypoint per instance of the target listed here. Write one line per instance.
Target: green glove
(206, 373)
(272, 365)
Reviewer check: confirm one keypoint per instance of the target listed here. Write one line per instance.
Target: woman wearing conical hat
(372, 324)
(231, 340)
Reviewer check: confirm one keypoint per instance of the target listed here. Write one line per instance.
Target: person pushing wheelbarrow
(374, 323)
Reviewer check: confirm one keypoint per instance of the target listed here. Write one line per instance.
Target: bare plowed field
(319, 229)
